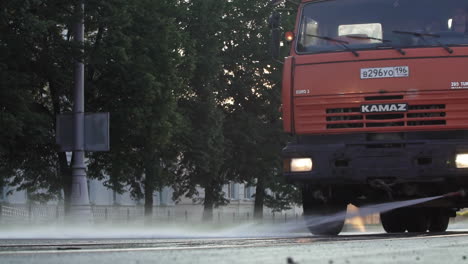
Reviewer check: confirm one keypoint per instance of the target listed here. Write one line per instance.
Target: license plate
(386, 72)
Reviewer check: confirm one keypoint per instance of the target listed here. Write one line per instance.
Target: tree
(253, 123)
(135, 75)
(189, 86)
(203, 155)
(36, 73)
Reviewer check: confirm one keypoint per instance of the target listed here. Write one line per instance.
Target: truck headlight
(301, 164)
(461, 161)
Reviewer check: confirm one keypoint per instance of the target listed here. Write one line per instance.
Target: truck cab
(375, 93)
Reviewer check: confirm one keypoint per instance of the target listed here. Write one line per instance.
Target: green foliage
(202, 156)
(34, 73)
(192, 92)
(134, 74)
(253, 127)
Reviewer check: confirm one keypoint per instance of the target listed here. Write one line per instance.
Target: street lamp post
(80, 210)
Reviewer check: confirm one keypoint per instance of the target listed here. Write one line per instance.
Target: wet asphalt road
(450, 247)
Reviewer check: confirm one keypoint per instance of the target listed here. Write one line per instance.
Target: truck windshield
(378, 24)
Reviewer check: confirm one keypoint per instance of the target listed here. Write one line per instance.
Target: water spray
(378, 208)
(461, 193)
(252, 229)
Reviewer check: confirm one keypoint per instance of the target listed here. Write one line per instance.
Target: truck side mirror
(274, 23)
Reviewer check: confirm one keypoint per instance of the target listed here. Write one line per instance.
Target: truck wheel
(326, 219)
(417, 220)
(438, 221)
(393, 221)
(323, 218)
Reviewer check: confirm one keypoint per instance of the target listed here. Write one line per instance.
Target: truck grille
(417, 115)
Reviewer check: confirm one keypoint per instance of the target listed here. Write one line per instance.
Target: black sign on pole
(96, 134)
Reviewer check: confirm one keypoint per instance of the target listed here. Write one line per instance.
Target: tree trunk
(259, 198)
(66, 175)
(149, 191)
(208, 203)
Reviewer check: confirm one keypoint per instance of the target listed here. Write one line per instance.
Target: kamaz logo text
(380, 108)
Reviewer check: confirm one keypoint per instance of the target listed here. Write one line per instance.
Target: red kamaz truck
(375, 93)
